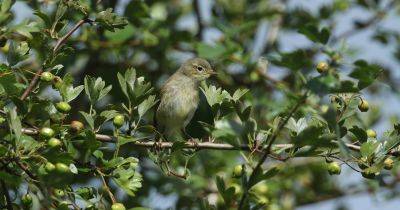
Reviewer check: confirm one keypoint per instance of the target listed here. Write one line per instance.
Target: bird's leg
(191, 139)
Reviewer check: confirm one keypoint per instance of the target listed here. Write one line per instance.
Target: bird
(180, 97)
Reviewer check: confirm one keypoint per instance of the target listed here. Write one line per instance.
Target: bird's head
(197, 68)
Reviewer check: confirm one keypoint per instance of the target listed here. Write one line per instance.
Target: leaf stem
(110, 194)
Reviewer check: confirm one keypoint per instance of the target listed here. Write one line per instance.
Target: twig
(7, 195)
(31, 85)
(26, 170)
(370, 22)
(110, 194)
(61, 41)
(66, 36)
(200, 23)
(269, 146)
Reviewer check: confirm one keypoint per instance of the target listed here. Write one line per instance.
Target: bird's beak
(213, 72)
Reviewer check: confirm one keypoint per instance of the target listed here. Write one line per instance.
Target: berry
(334, 168)
(49, 167)
(46, 132)
(238, 171)
(388, 164)
(57, 82)
(63, 107)
(62, 168)
(371, 133)
(47, 76)
(54, 142)
(118, 206)
(76, 126)
(119, 121)
(322, 67)
(363, 106)
(59, 192)
(26, 200)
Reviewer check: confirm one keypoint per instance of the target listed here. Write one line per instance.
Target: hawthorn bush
(79, 85)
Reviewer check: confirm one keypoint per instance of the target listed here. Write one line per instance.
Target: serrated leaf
(360, 133)
(88, 118)
(146, 105)
(110, 20)
(314, 34)
(14, 121)
(365, 73)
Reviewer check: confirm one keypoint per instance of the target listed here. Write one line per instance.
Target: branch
(200, 23)
(66, 36)
(61, 41)
(31, 85)
(268, 149)
(110, 194)
(197, 145)
(7, 195)
(370, 22)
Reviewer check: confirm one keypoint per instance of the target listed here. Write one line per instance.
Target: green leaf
(365, 73)
(146, 105)
(95, 89)
(360, 133)
(5, 14)
(17, 52)
(88, 118)
(67, 91)
(14, 121)
(259, 175)
(125, 139)
(314, 34)
(26, 29)
(44, 17)
(214, 95)
(369, 148)
(110, 20)
(239, 93)
(126, 175)
(294, 61)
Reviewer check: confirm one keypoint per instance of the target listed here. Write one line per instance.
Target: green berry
(238, 171)
(63, 107)
(118, 206)
(371, 133)
(62, 168)
(49, 167)
(59, 193)
(119, 120)
(76, 126)
(322, 67)
(46, 132)
(47, 76)
(334, 168)
(57, 82)
(54, 142)
(363, 106)
(2, 120)
(26, 200)
(388, 164)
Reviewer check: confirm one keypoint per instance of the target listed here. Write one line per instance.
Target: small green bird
(180, 97)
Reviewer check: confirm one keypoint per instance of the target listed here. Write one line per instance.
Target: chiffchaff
(180, 97)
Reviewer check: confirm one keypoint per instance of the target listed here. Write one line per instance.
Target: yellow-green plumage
(180, 97)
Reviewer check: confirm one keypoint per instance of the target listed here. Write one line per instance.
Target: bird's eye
(199, 68)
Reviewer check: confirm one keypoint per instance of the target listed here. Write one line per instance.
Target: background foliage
(274, 126)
